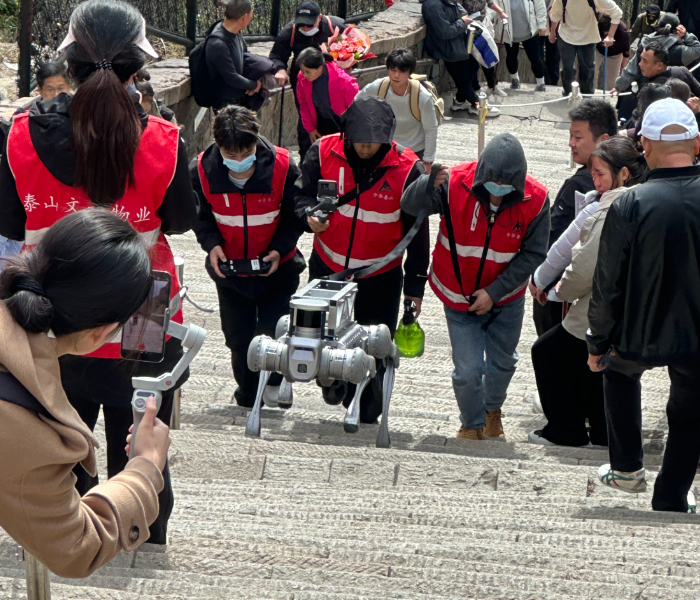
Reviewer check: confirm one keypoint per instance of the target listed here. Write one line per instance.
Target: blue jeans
(481, 383)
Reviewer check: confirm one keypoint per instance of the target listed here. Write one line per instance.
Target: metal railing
(44, 23)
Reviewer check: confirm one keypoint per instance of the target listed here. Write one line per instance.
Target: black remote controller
(244, 266)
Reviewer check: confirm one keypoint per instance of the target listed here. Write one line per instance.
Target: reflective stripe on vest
(46, 200)
(372, 230)
(470, 222)
(249, 218)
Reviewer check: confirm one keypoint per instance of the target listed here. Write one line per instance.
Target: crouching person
(371, 172)
(493, 235)
(246, 190)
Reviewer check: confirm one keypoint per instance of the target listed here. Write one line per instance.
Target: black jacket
(688, 12)
(50, 129)
(368, 120)
(646, 288)
(445, 35)
(564, 207)
(225, 54)
(283, 47)
(208, 234)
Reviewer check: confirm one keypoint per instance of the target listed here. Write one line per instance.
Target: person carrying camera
(100, 148)
(68, 296)
(246, 190)
(371, 172)
(494, 233)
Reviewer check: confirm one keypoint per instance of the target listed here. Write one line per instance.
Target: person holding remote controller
(249, 231)
(69, 295)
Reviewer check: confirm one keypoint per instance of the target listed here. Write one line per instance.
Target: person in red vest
(371, 172)
(246, 190)
(493, 234)
(99, 148)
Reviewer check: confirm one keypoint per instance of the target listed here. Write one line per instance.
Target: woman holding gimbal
(68, 296)
(100, 148)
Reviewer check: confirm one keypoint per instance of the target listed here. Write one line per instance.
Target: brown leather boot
(494, 426)
(465, 433)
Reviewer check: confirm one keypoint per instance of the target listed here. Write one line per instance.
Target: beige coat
(39, 505)
(576, 284)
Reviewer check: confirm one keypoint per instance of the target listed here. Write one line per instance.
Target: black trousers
(552, 61)
(623, 408)
(547, 316)
(489, 74)
(569, 391)
(586, 66)
(118, 419)
(377, 302)
(534, 54)
(463, 73)
(252, 308)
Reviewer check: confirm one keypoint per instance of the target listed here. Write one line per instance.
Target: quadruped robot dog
(319, 340)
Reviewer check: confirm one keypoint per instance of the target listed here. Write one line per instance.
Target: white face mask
(310, 32)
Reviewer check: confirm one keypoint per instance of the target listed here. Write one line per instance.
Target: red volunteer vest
(470, 224)
(378, 228)
(248, 221)
(46, 200)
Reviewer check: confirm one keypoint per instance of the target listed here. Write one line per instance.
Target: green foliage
(9, 19)
(9, 8)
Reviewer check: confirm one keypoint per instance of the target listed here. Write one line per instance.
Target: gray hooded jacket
(502, 161)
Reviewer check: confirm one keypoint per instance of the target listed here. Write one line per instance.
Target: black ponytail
(106, 126)
(90, 269)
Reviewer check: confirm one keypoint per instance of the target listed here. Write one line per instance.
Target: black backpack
(203, 85)
(591, 3)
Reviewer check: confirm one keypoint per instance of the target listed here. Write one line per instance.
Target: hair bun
(25, 298)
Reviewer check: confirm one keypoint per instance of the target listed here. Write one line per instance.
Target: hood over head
(368, 120)
(502, 161)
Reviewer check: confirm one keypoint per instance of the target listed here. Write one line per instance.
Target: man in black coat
(645, 307)
(309, 29)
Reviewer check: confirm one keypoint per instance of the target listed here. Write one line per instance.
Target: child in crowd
(154, 107)
(568, 390)
(324, 92)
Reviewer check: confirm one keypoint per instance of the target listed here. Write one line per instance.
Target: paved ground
(309, 512)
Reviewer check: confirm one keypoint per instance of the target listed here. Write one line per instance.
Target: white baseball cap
(667, 112)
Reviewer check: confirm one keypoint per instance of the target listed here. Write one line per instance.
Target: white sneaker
(490, 114)
(536, 404)
(633, 482)
(466, 105)
(692, 504)
(535, 437)
(497, 91)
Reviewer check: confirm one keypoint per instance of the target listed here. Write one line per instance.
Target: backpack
(414, 86)
(203, 84)
(591, 3)
(294, 30)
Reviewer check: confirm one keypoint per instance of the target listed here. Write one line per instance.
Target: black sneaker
(515, 84)
(536, 437)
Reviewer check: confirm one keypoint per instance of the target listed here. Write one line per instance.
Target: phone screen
(143, 336)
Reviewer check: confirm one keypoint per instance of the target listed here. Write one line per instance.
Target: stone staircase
(309, 512)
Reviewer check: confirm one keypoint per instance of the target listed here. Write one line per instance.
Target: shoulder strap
(384, 88)
(12, 391)
(294, 31)
(453, 243)
(414, 97)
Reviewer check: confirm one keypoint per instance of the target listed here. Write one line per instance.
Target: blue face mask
(240, 166)
(131, 88)
(498, 190)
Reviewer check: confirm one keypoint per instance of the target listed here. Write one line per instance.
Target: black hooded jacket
(283, 47)
(646, 289)
(50, 127)
(502, 161)
(368, 120)
(208, 234)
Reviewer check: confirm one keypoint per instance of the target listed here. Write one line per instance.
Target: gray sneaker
(466, 105)
(515, 84)
(541, 88)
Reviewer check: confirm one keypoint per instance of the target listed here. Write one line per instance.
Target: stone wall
(400, 26)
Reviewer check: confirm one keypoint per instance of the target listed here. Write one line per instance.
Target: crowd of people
(92, 181)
